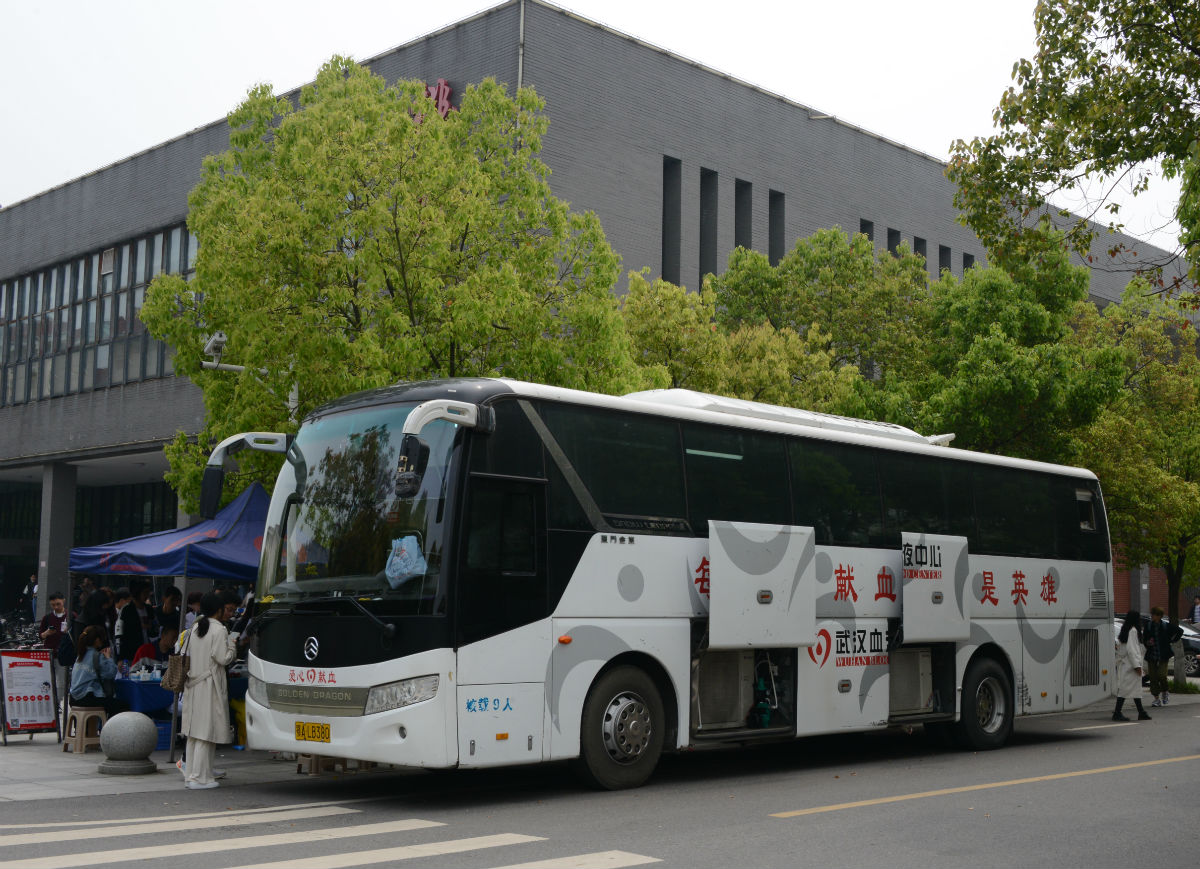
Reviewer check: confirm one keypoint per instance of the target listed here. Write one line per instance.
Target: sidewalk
(41, 770)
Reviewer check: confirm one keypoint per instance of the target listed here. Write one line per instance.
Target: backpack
(66, 651)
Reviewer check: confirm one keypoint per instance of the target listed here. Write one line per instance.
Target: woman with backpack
(210, 649)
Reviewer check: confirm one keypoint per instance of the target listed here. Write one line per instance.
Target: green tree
(1000, 372)
(1145, 446)
(357, 238)
(865, 302)
(1113, 91)
(674, 336)
(677, 338)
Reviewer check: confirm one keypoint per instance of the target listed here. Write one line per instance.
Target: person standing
(1129, 666)
(1196, 610)
(206, 695)
(82, 593)
(30, 597)
(167, 615)
(134, 621)
(55, 625)
(1159, 637)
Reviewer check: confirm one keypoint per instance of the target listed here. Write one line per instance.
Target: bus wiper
(389, 630)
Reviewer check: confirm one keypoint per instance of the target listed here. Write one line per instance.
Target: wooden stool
(83, 728)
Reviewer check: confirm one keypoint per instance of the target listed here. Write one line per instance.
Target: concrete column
(57, 533)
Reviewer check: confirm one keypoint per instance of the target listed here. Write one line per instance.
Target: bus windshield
(343, 531)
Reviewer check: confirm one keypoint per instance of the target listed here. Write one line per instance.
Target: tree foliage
(1145, 446)
(357, 238)
(1000, 372)
(1112, 92)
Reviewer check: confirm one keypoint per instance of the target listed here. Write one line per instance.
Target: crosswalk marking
(207, 846)
(224, 813)
(174, 825)
(596, 860)
(282, 843)
(401, 852)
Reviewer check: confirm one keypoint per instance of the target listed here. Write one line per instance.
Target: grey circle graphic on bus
(631, 583)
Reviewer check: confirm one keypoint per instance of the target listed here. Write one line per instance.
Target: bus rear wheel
(622, 729)
(987, 706)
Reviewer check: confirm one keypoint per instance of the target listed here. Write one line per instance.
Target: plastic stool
(82, 729)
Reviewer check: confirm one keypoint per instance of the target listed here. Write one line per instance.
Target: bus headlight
(257, 689)
(406, 692)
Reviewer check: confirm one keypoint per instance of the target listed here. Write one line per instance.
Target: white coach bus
(481, 572)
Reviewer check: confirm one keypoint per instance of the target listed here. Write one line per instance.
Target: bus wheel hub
(627, 727)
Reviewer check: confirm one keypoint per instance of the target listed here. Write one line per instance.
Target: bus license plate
(309, 731)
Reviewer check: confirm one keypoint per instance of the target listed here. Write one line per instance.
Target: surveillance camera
(215, 344)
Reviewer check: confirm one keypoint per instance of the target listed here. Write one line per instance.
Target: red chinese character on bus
(1048, 594)
(989, 589)
(702, 576)
(1020, 594)
(887, 585)
(845, 583)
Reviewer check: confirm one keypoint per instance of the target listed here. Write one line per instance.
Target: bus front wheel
(987, 706)
(622, 729)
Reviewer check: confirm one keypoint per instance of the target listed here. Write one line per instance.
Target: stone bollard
(127, 740)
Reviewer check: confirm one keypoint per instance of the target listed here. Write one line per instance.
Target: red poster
(28, 696)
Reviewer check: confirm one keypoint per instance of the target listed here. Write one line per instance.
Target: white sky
(85, 83)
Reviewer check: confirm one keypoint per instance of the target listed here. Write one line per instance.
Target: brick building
(681, 163)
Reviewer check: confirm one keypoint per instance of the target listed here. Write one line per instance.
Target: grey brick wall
(106, 421)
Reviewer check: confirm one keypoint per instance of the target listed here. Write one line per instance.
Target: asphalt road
(1071, 790)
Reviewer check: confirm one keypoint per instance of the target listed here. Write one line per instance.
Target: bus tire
(987, 706)
(622, 730)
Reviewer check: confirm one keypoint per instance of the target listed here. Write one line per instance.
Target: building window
(75, 326)
(743, 205)
(867, 228)
(919, 246)
(775, 234)
(943, 258)
(893, 241)
(708, 222)
(672, 218)
(968, 261)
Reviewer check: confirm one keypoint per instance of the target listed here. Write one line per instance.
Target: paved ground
(39, 769)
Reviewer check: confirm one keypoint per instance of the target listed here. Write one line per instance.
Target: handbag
(177, 669)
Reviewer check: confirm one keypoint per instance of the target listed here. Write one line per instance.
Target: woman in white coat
(206, 696)
(1130, 656)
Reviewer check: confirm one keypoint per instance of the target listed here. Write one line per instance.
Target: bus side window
(739, 476)
(835, 489)
(503, 581)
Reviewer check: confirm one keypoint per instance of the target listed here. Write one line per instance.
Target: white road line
(225, 813)
(174, 825)
(597, 860)
(207, 846)
(402, 852)
(1102, 726)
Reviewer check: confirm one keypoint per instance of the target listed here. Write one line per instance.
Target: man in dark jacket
(1159, 637)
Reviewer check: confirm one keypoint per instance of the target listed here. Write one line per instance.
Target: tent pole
(182, 621)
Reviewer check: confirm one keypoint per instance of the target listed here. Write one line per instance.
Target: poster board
(29, 692)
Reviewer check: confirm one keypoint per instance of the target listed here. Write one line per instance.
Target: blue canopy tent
(226, 547)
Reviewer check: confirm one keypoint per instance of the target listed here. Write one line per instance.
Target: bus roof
(699, 407)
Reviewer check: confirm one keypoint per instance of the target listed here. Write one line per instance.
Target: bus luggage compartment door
(500, 724)
(933, 583)
(762, 586)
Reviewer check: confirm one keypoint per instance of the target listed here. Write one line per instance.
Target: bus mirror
(414, 456)
(210, 490)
